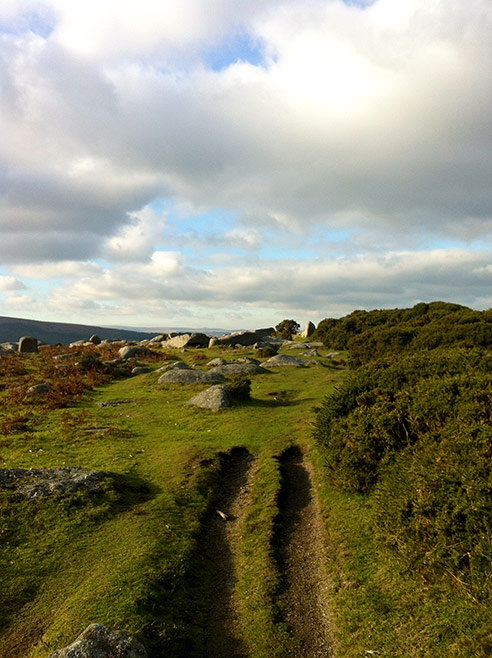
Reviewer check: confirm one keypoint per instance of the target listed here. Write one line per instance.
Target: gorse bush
(239, 387)
(413, 431)
(372, 335)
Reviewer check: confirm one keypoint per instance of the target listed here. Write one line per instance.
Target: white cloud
(10, 283)
(372, 121)
(137, 240)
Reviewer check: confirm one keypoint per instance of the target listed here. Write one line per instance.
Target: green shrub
(267, 352)
(239, 387)
(287, 328)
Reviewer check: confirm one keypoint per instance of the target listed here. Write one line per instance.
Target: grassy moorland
(129, 555)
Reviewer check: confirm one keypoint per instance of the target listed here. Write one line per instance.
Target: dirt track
(301, 554)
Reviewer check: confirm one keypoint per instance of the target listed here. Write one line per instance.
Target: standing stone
(309, 330)
(95, 340)
(28, 345)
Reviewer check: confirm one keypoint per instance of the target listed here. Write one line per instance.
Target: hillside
(326, 512)
(11, 329)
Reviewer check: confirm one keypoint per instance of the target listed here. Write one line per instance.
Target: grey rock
(42, 482)
(9, 348)
(311, 352)
(189, 376)
(213, 398)
(281, 360)
(247, 359)
(98, 641)
(130, 352)
(38, 389)
(175, 365)
(238, 369)
(114, 403)
(95, 340)
(28, 345)
(140, 370)
(219, 361)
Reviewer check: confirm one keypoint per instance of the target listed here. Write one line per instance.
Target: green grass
(126, 556)
(123, 557)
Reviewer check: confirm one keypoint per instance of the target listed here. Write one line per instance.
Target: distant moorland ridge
(11, 329)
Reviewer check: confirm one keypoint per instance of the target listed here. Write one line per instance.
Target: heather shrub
(239, 387)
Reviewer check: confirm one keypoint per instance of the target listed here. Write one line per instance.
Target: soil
(300, 544)
(222, 537)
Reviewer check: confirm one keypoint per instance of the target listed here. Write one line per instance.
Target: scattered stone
(130, 352)
(281, 360)
(212, 342)
(140, 370)
(28, 345)
(98, 641)
(42, 482)
(247, 359)
(38, 389)
(95, 340)
(9, 348)
(312, 352)
(219, 361)
(114, 403)
(189, 376)
(175, 365)
(214, 398)
(238, 369)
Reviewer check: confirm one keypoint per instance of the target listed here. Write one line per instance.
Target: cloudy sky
(230, 164)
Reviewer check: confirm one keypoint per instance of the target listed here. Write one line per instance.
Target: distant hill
(11, 329)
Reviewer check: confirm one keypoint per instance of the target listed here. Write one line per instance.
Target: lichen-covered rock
(42, 482)
(189, 376)
(213, 398)
(98, 641)
(281, 360)
(244, 338)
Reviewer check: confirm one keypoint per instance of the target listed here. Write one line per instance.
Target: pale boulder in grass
(98, 641)
(213, 398)
(282, 360)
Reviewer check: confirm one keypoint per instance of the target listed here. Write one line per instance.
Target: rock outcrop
(187, 340)
(98, 641)
(244, 338)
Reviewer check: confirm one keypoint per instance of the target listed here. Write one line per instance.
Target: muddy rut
(300, 546)
(221, 537)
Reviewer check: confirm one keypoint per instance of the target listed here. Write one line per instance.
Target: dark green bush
(287, 328)
(267, 352)
(239, 387)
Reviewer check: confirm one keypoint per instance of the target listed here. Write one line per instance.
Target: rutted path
(301, 549)
(221, 539)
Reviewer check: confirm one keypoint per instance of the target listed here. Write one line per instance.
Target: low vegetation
(401, 446)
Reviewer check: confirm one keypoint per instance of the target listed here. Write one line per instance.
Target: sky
(234, 163)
